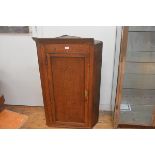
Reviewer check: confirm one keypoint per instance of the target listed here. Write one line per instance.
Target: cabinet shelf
(139, 81)
(138, 89)
(144, 57)
(141, 74)
(140, 51)
(140, 31)
(130, 61)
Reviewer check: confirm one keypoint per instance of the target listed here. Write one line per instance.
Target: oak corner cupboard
(70, 71)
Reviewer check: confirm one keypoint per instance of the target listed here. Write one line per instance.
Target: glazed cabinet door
(68, 84)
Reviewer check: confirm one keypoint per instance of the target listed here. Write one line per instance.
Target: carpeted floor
(36, 117)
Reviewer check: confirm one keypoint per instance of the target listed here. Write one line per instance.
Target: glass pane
(138, 92)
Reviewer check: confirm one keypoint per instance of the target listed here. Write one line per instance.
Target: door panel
(68, 82)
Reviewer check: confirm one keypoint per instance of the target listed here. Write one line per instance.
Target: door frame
(120, 78)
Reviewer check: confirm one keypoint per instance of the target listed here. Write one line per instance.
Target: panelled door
(68, 84)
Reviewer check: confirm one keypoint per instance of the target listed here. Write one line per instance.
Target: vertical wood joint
(46, 60)
(86, 93)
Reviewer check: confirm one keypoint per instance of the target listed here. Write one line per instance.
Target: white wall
(19, 74)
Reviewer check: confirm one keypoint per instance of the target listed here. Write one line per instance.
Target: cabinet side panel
(96, 82)
(44, 83)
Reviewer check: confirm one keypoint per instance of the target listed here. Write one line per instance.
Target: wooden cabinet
(135, 97)
(70, 71)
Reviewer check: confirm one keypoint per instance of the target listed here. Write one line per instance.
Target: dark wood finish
(2, 100)
(131, 126)
(120, 79)
(153, 118)
(70, 71)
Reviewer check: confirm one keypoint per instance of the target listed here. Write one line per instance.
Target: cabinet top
(68, 39)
